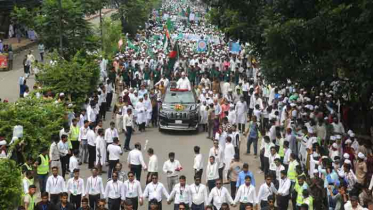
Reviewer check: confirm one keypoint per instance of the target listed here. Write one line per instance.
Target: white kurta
(100, 150)
(148, 108)
(204, 114)
(241, 111)
(141, 114)
(232, 117)
(184, 84)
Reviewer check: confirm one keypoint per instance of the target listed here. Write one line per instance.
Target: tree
(76, 31)
(11, 184)
(40, 119)
(111, 37)
(76, 78)
(134, 13)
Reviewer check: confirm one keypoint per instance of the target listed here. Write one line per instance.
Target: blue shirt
(241, 178)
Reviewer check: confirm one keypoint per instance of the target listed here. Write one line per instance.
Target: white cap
(310, 130)
(62, 94)
(332, 138)
(338, 137)
(182, 73)
(230, 90)
(231, 105)
(348, 141)
(352, 135)
(315, 171)
(346, 156)
(349, 132)
(334, 145)
(361, 155)
(347, 161)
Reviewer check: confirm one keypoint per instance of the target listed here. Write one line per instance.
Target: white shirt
(171, 166)
(94, 186)
(110, 134)
(55, 185)
(83, 133)
(218, 154)
(135, 158)
(284, 186)
(127, 121)
(198, 163)
(183, 84)
(73, 164)
(155, 191)
(220, 196)
(272, 165)
(131, 189)
(265, 191)
(153, 164)
(115, 151)
(246, 194)
(287, 156)
(63, 148)
(113, 189)
(278, 171)
(212, 171)
(181, 194)
(76, 187)
(91, 138)
(199, 194)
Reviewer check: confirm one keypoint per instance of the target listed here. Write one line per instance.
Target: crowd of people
(308, 156)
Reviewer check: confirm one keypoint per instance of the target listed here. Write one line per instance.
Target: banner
(3, 61)
(201, 46)
(235, 47)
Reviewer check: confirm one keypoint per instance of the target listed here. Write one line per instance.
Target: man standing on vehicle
(183, 83)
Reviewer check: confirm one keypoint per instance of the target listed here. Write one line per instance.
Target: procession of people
(309, 157)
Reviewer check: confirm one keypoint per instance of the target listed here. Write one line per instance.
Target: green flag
(132, 46)
(170, 25)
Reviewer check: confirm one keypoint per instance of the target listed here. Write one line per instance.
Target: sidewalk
(26, 43)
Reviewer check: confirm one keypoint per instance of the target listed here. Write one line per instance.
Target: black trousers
(135, 202)
(102, 113)
(263, 204)
(93, 199)
(233, 189)
(198, 207)
(220, 171)
(64, 162)
(91, 156)
(237, 151)
(159, 205)
(55, 198)
(199, 173)
(211, 184)
(114, 204)
(112, 164)
(283, 201)
(76, 200)
(109, 99)
(136, 169)
(128, 137)
(75, 145)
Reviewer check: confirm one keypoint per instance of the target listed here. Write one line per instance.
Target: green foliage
(40, 119)
(112, 34)
(76, 78)
(134, 13)
(91, 7)
(11, 185)
(307, 41)
(76, 31)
